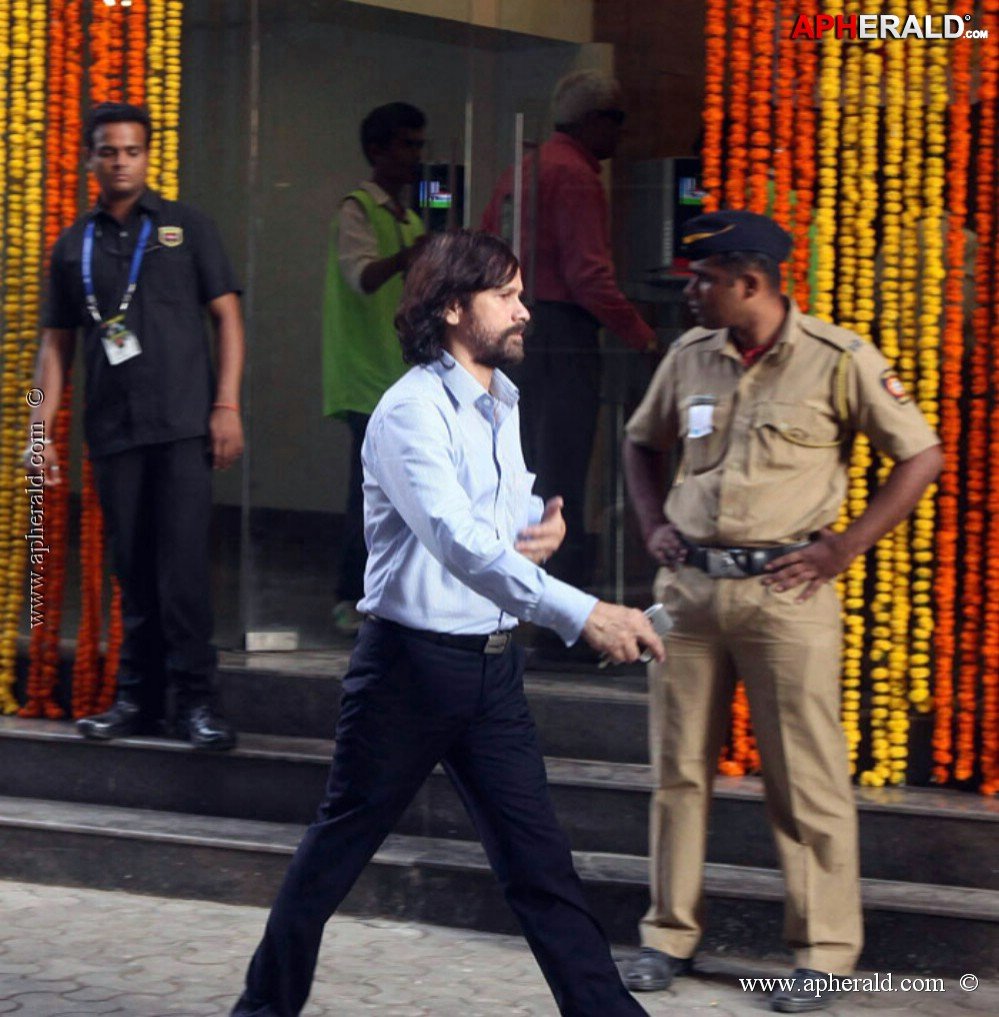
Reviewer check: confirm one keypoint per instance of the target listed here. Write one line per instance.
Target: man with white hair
(565, 245)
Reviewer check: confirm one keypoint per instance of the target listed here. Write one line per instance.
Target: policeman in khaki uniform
(764, 402)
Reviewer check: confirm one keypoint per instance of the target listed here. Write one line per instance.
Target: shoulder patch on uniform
(170, 236)
(836, 336)
(892, 384)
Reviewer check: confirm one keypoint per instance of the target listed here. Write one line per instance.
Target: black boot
(205, 728)
(805, 990)
(125, 718)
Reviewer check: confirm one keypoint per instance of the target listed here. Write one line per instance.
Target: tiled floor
(78, 953)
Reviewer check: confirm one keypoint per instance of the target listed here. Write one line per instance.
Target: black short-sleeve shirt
(166, 392)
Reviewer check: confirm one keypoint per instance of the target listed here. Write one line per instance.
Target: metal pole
(518, 181)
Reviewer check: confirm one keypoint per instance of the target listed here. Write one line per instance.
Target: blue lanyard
(133, 273)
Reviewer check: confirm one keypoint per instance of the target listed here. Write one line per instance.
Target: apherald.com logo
(886, 26)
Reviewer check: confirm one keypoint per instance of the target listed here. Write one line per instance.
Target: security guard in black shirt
(134, 276)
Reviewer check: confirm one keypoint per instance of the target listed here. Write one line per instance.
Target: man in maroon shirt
(565, 249)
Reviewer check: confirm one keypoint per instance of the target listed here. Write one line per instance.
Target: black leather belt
(493, 643)
(736, 562)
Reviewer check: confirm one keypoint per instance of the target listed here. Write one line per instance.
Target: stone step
(907, 834)
(581, 711)
(919, 927)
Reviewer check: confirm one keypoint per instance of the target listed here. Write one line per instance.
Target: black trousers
(559, 384)
(407, 705)
(157, 503)
(353, 552)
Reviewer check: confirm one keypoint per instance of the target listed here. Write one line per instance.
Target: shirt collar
(378, 194)
(781, 346)
(465, 391)
(568, 141)
(149, 201)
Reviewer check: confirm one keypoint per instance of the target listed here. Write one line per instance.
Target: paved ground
(70, 953)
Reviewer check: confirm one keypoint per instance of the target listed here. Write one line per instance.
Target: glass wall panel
(272, 108)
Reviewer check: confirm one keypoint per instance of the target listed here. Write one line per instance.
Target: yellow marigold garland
(828, 176)
(7, 702)
(930, 312)
(910, 265)
(22, 250)
(852, 220)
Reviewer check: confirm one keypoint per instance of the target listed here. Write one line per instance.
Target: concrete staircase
(152, 816)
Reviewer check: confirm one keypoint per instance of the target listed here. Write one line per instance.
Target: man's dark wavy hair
(115, 113)
(451, 268)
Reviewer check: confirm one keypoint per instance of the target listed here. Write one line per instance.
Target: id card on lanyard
(120, 343)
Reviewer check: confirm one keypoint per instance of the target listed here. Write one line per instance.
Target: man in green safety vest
(372, 242)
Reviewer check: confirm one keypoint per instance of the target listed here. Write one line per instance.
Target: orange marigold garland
(760, 107)
(715, 28)
(92, 683)
(784, 121)
(51, 568)
(806, 65)
(988, 287)
(973, 441)
(740, 65)
(135, 54)
(930, 315)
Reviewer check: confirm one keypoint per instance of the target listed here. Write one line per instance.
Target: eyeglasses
(618, 116)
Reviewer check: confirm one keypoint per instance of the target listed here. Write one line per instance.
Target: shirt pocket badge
(170, 236)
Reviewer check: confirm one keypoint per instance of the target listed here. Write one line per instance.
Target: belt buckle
(496, 642)
(721, 564)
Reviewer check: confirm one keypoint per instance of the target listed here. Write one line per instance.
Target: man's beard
(496, 350)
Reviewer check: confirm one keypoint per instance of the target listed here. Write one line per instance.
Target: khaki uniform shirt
(764, 450)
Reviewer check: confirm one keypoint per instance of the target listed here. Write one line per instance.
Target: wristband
(225, 406)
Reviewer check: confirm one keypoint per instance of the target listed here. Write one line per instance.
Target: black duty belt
(494, 642)
(736, 562)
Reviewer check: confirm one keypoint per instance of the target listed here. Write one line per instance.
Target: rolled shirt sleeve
(357, 245)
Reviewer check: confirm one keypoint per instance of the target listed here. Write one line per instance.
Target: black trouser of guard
(157, 502)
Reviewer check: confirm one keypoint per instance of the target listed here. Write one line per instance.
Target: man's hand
(665, 546)
(822, 560)
(407, 255)
(49, 470)
(226, 430)
(621, 633)
(540, 541)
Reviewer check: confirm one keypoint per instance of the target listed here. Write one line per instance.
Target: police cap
(734, 230)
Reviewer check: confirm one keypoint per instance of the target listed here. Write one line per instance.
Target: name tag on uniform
(120, 344)
(700, 420)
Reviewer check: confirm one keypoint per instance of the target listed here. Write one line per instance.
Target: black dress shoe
(205, 729)
(808, 989)
(653, 970)
(125, 718)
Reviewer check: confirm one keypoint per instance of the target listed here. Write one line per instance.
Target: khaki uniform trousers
(788, 655)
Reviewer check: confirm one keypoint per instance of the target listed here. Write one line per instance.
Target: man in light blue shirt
(455, 542)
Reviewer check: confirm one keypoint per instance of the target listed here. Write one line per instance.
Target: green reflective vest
(361, 352)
